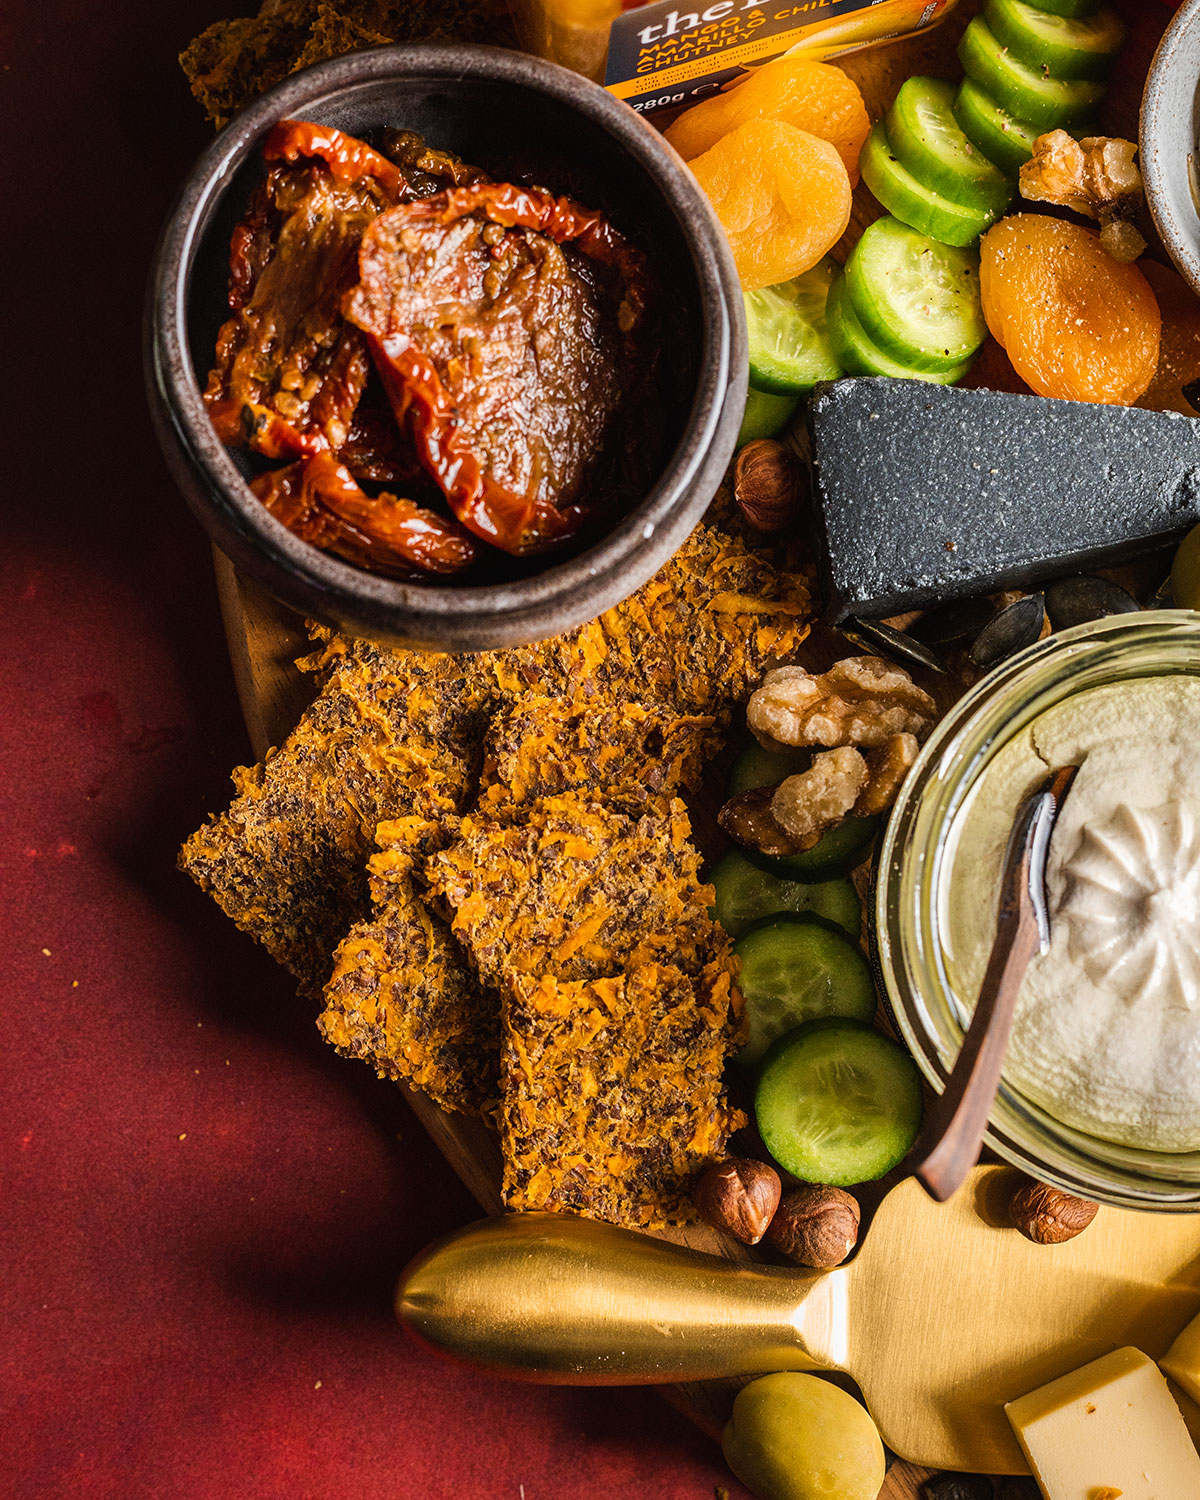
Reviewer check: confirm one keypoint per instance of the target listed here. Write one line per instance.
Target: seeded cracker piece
(396, 732)
(232, 61)
(390, 734)
(612, 1093)
(702, 632)
(403, 997)
(578, 891)
(634, 754)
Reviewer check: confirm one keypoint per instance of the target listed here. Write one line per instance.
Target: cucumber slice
(789, 342)
(1062, 46)
(1001, 137)
(902, 195)
(746, 894)
(859, 356)
(757, 767)
(835, 853)
(917, 299)
(837, 1102)
(1069, 7)
(798, 968)
(1024, 92)
(929, 143)
(765, 415)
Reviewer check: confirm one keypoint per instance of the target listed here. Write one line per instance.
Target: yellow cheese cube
(1110, 1429)
(1182, 1360)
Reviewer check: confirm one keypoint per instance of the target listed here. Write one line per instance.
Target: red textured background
(202, 1209)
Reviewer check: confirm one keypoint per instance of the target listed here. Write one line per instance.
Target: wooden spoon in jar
(950, 1142)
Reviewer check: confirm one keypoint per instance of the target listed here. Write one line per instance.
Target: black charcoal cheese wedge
(927, 493)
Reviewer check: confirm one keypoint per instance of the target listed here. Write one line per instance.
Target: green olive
(795, 1437)
(1185, 571)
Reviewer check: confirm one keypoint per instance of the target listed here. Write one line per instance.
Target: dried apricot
(1179, 352)
(1074, 322)
(811, 96)
(782, 196)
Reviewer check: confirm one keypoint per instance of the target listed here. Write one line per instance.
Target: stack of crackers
(482, 866)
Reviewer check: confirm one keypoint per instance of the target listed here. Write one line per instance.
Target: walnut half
(862, 700)
(806, 805)
(1096, 177)
(886, 769)
(749, 821)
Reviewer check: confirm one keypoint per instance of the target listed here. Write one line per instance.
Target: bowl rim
(1161, 199)
(305, 576)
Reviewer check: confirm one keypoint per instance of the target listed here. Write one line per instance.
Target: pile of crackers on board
(481, 868)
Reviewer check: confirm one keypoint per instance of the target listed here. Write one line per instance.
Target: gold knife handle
(570, 1301)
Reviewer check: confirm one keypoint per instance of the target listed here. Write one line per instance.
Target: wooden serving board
(265, 638)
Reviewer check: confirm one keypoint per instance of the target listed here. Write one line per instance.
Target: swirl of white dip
(1107, 1031)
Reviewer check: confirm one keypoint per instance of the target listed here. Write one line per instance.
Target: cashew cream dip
(1107, 1031)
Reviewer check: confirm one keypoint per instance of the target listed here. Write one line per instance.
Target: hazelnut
(1048, 1216)
(767, 485)
(815, 1226)
(738, 1196)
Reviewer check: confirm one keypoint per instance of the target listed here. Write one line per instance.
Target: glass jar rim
(910, 864)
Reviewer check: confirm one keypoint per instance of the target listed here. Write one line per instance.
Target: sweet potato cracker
(630, 754)
(612, 1093)
(403, 997)
(578, 891)
(388, 735)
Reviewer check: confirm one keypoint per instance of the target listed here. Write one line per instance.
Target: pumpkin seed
(1009, 631)
(878, 638)
(1072, 601)
(952, 622)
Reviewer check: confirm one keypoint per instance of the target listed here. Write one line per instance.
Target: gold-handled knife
(943, 1315)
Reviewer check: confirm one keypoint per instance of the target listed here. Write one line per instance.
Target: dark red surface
(202, 1208)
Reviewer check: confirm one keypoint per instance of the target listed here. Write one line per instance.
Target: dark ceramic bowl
(493, 108)
(1167, 140)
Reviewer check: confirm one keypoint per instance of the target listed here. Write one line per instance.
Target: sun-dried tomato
(504, 357)
(289, 371)
(348, 159)
(375, 449)
(251, 245)
(320, 502)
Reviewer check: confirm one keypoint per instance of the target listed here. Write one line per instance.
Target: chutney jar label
(664, 55)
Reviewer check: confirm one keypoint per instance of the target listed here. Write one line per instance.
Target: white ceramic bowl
(1170, 125)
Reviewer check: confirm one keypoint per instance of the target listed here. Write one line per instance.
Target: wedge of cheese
(1110, 1431)
(1182, 1360)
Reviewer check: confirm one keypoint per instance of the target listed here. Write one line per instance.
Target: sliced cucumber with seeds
(929, 143)
(757, 767)
(862, 357)
(902, 195)
(1026, 92)
(1063, 46)
(917, 299)
(837, 1102)
(835, 853)
(1001, 137)
(745, 894)
(797, 968)
(765, 415)
(789, 342)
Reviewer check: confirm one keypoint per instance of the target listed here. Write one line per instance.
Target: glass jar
(913, 882)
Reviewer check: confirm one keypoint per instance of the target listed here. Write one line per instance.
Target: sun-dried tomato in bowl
(397, 318)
